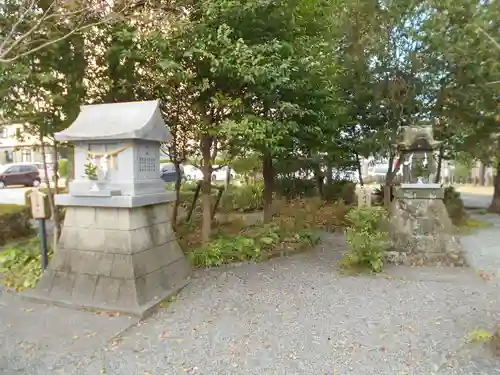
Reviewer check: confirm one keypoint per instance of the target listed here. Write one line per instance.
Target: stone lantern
(421, 230)
(117, 249)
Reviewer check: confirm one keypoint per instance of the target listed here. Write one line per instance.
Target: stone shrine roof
(118, 121)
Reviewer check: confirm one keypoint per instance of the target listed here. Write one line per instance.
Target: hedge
(14, 222)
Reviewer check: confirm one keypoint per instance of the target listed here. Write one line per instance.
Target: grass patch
(20, 264)
(479, 335)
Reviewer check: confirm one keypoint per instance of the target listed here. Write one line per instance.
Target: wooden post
(364, 197)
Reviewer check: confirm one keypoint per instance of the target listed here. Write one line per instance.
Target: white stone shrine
(117, 250)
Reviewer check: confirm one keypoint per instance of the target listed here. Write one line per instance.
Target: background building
(18, 147)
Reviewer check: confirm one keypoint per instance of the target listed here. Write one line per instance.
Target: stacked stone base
(119, 259)
(422, 234)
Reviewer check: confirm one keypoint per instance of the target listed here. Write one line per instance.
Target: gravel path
(291, 316)
(484, 247)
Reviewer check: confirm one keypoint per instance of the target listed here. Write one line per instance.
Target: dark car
(168, 174)
(20, 174)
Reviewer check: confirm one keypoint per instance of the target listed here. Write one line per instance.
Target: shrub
(14, 222)
(367, 238)
(225, 250)
(251, 244)
(292, 188)
(455, 206)
(312, 214)
(245, 198)
(340, 189)
(21, 265)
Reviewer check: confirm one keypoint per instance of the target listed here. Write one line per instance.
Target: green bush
(225, 250)
(455, 206)
(253, 244)
(21, 265)
(14, 222)
(340, 189)
(63, 168)
(367, 238)
(292, 188)
(245, 198)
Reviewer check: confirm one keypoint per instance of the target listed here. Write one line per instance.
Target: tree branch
(12, 45)
(488, 36)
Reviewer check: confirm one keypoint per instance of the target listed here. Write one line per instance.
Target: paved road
(12, 195)
(476, 200)
(15, 195)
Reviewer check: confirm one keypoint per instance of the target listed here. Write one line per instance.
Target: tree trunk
(360, 172)
(318, 176)
(329, 173)
(495, 201)
(178, 182)
(482, 172)
(268, 175)
(388, 181)
(206, 186)
(53, 208)
(439, 165)
(227, 182)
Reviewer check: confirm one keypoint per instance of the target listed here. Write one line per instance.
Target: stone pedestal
(115, 258)
(421, 230)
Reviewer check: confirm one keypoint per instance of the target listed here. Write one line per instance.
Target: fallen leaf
(27, 310)
(484, 276)
(108, 313)
(164, 335)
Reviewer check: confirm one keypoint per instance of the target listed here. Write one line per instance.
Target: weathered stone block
(118, 242)
(45, 284)
(108, 218)
(88, 239)
(123, 267)
(422, 234)
(85, 286)
(85, 217)
(162, 233)
(62, 285)
(106, 290)
(125, 270)
(61, 261)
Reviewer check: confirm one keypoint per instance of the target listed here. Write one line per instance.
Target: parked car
(220, 174)
(50, 171)
(192, 173)
(19, 174)
(168, 174)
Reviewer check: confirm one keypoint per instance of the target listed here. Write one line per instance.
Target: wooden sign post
(40, 211)
(364, 197)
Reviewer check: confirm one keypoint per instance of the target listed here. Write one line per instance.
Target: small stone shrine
(421, 230)
(117, 249)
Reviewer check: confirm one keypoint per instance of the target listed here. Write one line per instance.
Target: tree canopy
(325, 82)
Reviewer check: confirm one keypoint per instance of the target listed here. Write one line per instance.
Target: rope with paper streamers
(111, 154)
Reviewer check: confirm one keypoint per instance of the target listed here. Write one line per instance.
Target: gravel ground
(484, 246)
(291, 316)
